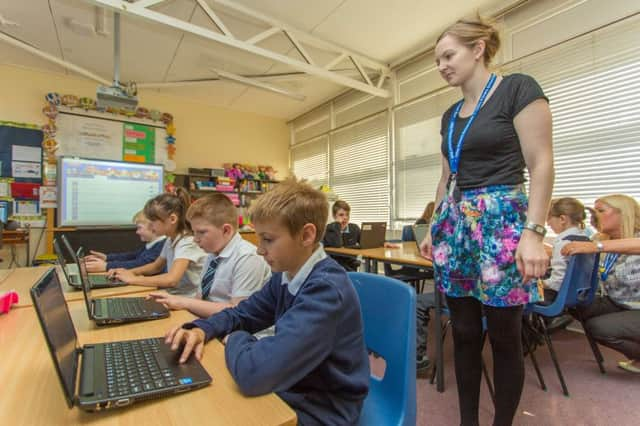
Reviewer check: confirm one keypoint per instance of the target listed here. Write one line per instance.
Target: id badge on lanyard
(454, 154)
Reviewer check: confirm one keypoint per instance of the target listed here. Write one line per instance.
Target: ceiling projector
(116, 97)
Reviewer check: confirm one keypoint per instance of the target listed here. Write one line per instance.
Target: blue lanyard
(607, 265)
(454, 157)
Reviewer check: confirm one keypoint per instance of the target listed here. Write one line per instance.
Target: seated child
(100, 262)
(180, 255)
(317, 359)
(341, 233)
(233, 271)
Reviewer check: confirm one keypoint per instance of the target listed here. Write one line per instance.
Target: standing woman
(486, 237)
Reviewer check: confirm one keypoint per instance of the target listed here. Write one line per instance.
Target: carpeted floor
(595, 399)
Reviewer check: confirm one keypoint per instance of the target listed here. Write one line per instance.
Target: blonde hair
(293, 203)
(569, 207)
(471, 31)
(629, 213)
(140, 217)
(217, 209)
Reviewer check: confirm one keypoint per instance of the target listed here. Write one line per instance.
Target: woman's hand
(531, 258)
(579, 247)
(426, 246)
(97, 255)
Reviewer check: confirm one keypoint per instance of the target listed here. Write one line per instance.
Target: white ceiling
(379, 29)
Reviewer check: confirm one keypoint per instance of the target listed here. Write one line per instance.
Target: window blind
(309, 161)
(359, 168)
(593, 84)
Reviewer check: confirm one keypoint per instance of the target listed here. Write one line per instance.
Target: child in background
(317, 360)
(180, 254)
(233, 271)
(100, 262)
(566, 218)
(341, 233)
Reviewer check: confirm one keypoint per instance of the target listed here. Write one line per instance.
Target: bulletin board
(107, 136)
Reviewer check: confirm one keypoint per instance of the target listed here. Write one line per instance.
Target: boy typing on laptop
(232, 272)
(341, 233)
(101, 262)
(316, 361)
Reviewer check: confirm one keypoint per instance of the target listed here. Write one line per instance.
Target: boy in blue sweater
(100, 262)
(317, 360)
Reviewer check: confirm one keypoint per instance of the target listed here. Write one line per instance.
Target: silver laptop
(420, 233)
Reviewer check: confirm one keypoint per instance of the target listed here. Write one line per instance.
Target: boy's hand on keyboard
(169, 300)
(95, 265)
(186, 340)
(97, 255)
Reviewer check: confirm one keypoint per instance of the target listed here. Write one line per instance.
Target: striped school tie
(207, 278)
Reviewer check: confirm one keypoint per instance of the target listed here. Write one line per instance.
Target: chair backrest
(579, 285)
(407, 233)
(389, 312)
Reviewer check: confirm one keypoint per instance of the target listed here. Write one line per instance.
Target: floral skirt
(474, 246)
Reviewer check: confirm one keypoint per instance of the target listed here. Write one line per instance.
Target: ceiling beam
(259, 84)
(148, 3)
(44, 55)
(132, 10)
(299, 47)
(304, 36)
(263, 35)
(215, 18)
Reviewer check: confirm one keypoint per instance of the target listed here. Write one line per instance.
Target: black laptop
(96, 280)
(372, 234)
(116, 310)
(112, 374)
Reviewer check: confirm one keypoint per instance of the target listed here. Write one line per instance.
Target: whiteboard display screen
(99, 192)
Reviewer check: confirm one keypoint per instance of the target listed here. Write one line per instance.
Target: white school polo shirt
(185, 248)
(240, 271)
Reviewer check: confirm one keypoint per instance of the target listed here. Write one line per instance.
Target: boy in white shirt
(232, 271)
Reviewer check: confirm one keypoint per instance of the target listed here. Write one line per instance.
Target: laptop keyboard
(136, 366)
(121, 307)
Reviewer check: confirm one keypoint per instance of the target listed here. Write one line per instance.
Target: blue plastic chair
(389, 312)
(578, 288)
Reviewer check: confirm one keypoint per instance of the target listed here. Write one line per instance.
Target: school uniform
(239, 271)
(317, 361)
(335, 236)
(183, 247)
(133, 259)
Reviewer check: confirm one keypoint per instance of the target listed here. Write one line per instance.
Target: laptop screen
(61, 261)
(69, 249)
(86, 287)
(58, 329)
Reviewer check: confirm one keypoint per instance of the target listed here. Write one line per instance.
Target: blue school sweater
(133, 259)
(317, 360)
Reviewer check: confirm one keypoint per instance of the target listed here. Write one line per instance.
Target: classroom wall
(206, 136)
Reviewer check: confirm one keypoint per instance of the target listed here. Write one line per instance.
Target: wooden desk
(406, 255)
(32, 394)
(22, 279)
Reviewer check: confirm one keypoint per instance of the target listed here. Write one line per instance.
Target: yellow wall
(206, 136)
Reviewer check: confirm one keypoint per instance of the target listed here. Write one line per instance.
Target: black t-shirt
(491, 153)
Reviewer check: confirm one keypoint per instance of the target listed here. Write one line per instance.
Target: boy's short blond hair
(140, 217)
(293, 203)
(217, 209)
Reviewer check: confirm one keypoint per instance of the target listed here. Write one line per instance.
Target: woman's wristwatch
(599, 246)
(538, 229)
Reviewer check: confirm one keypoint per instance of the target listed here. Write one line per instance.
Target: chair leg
(530, 350)
(594, 345)
(554, 358)
(485, 372)
(444, 334)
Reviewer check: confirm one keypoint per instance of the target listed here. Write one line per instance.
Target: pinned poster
(21, 169)
(48, 197)
(138, 143)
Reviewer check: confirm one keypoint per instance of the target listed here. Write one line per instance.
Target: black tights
(504, 328)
